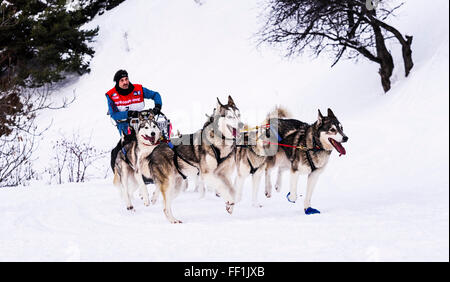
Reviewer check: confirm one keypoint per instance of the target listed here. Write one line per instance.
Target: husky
(130, 160)
(305, 149)
(252, 157)
(250, 160)
(209, 153)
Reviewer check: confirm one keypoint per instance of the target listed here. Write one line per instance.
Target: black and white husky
(305, 149)
(208, 153)
(131, 160)
(253, 154)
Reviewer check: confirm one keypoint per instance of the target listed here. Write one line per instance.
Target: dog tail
(278, 112)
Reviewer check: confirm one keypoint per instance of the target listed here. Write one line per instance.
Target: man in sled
(125, 100)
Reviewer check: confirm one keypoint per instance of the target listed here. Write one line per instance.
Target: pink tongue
(338, 146)
(151, 139)
(234, 132)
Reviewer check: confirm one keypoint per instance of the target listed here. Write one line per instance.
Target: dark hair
(119, 74)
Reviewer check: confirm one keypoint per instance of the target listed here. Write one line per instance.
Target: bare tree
(73, 158)
(19, 108)
(346, 28)
(15, 154)
(61, 155)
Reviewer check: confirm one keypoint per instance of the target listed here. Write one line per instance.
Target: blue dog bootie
(310, 210)
(287, 197)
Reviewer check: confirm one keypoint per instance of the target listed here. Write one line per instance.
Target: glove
(157, 109)
(133, 114)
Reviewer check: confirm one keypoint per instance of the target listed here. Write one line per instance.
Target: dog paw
(277, 188)
(310, 210)
(290, 198)
(154, 198)
(130, 208)
(176, 221)
(268, 194)
(229, 207)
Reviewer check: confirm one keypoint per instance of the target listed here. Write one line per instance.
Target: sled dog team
(223, 147)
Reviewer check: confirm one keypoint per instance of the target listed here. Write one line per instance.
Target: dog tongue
(234, 132)
(148, 138)
(338, 146)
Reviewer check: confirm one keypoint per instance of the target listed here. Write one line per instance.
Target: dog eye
(333, 130)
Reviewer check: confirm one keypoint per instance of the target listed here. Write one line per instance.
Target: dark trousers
(127, 139)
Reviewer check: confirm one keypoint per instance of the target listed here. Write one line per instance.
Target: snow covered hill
(386, 200)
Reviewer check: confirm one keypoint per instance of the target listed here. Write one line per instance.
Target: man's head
(121, 79)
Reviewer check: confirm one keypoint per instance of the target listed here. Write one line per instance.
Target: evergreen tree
(41, 41)
(93, 7)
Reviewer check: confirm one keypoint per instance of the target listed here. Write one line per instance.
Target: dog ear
(230, 101)
(218, 101)
(210, 118)
(330, 113)
(319, 119)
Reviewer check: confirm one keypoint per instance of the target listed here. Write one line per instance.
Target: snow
(89, 222)
(386, 200)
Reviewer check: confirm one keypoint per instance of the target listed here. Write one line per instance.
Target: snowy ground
(386, 200)
(84, 222)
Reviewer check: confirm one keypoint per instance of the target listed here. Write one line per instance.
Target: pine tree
(41, 42)
(91, 8)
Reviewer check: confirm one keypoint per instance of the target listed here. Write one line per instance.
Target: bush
(73, 158)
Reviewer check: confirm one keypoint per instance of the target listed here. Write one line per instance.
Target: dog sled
(161, 120)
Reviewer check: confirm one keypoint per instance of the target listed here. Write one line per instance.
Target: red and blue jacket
(119, 105)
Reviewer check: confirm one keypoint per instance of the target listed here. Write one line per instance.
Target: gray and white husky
(208, 153)
(131, 163)
(252, 156)
(305, 149)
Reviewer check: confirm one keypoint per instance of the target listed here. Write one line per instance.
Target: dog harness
(175, 161)
(217, 154)
(252, 169)
(177, 155)
(315, 148)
